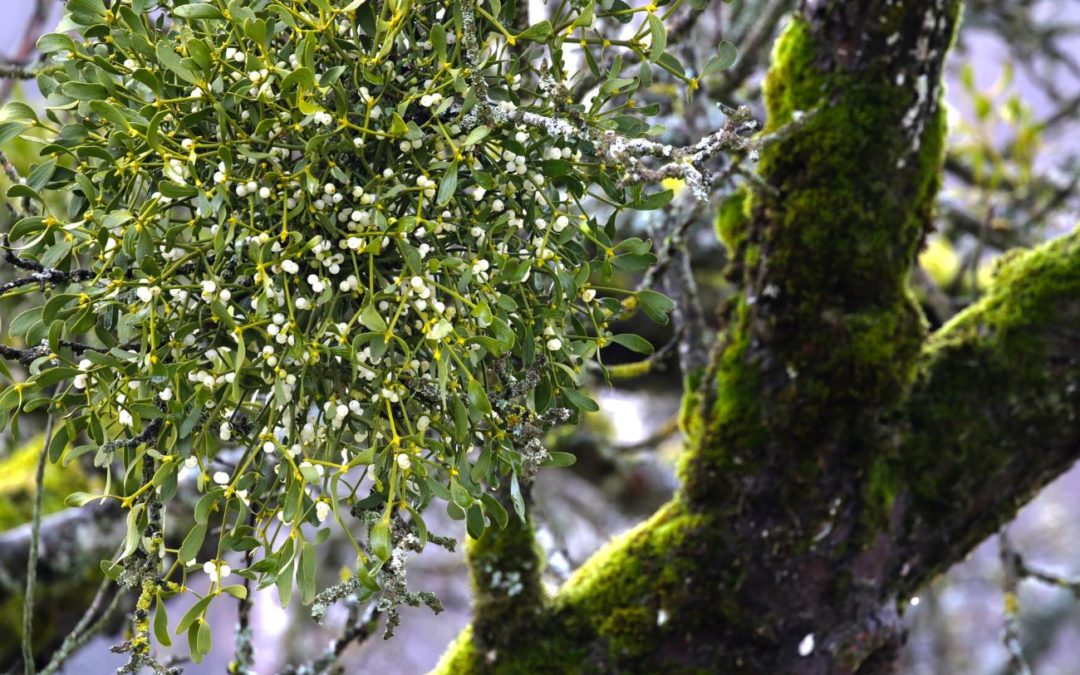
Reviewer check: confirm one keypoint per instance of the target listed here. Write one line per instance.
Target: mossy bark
(838, 457)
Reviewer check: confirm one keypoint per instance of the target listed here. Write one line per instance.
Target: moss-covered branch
(623, 611)
(507, 593)
(995, 413)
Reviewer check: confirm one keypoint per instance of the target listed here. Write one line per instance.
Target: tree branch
(71, 541)
(995, 412)
(508, 596)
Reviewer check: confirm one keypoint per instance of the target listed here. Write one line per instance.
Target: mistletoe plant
(330, 262)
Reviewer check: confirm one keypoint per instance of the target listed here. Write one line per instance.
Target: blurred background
(1012, 179)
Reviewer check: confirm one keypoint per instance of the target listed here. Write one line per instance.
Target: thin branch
(358, 627)
(28, 44)
(39, 274)
(244, 651)
(32, 557)
(752, 49)
(1018, 665)
(84, 630)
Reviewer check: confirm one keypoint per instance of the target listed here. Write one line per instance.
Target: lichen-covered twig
(141, 571)
(39, 274)
(1010, 560)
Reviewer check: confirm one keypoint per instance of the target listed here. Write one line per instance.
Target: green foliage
(356, 241)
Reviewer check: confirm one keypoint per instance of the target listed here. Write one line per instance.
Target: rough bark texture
(839, 457)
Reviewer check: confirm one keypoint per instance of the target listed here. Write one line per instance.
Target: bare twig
(32, 558)
(358, 627)
(84, 630)
(34, 28)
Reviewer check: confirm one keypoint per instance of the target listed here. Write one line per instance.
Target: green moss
(614, 600)
(508, 595)
(844, 228)
(629, 630)
(826, 257)
(731, 220)
(1014, 343)
(730, 415)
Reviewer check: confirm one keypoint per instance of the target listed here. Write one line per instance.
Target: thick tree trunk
(838, 457)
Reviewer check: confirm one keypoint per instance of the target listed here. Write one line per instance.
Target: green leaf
(84, 91)
(516, 498)
(301, 77)
(495, 509)
(475, 136)
(176, 190)
(560, 459)
(161, 624)
(448, 185)
(199, 10)
(438, 41)
(206, 503)
(222, 313)
(9, 130)
(78, 499)
(305, 573)
(579, 400)
(171, 60)
(55, 42)
(192, 543)
(203, 642)
(10, 399)
(193, 614)
(285, 584)
(656, 305)
(671, 63)
(256, 30)
(634, 262)
(658, 37)
(725, 58)
(537, 32)
(398, 127)
(379, 540)
(18, 111)
(474, 521)
(134, 534)
(372, 319)
(657, 200)
(478, 399)
(59, 442)
(633, 342)
(111, 569)
(111, 113)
